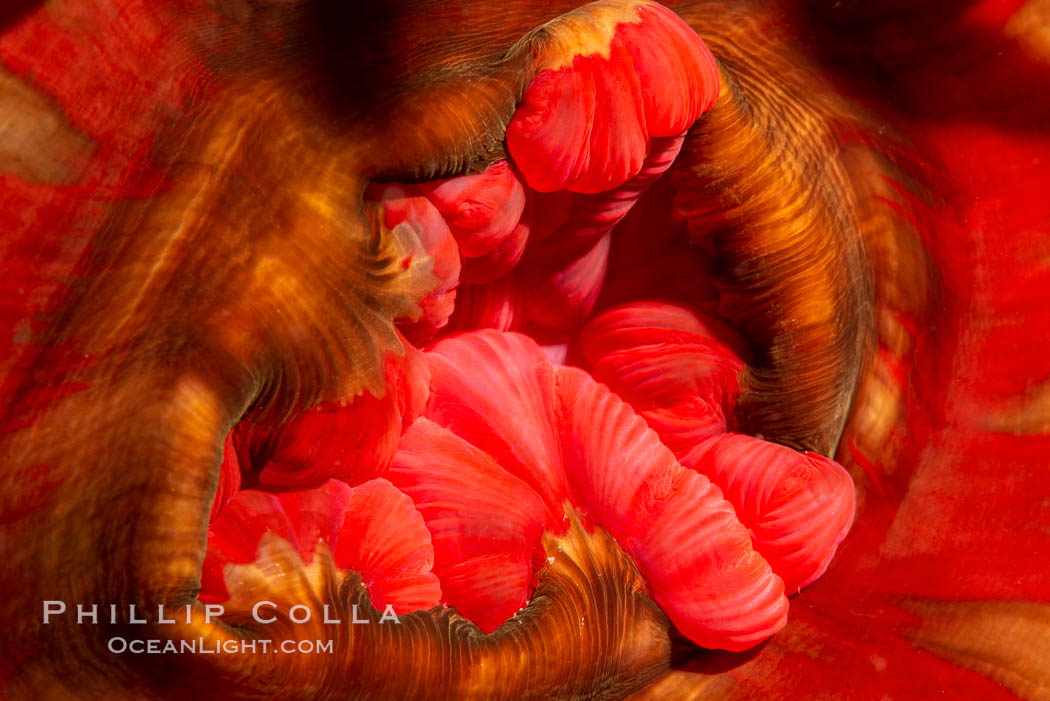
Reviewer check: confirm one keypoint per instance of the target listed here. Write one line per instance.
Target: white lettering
(389, 615)
(291, 613)
(81, 615)
(131, 616)
(255, 612)
(213, 610)
(50, 609)
(160, 615)
(327, 619)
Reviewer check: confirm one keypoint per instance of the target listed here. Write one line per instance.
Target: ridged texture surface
(372, 529)
(600, 457)
(797, 507)
(673, 368)
(486, 524)
(689, 545)
(564, 135)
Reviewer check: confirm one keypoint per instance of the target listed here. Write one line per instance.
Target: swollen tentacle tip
(630, 73)
(409, 215)
(675, 369)
(798, 507)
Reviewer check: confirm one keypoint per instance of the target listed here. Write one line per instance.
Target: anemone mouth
(528, 391)
(533, 260)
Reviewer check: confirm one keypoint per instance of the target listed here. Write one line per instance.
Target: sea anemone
(541, 350)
